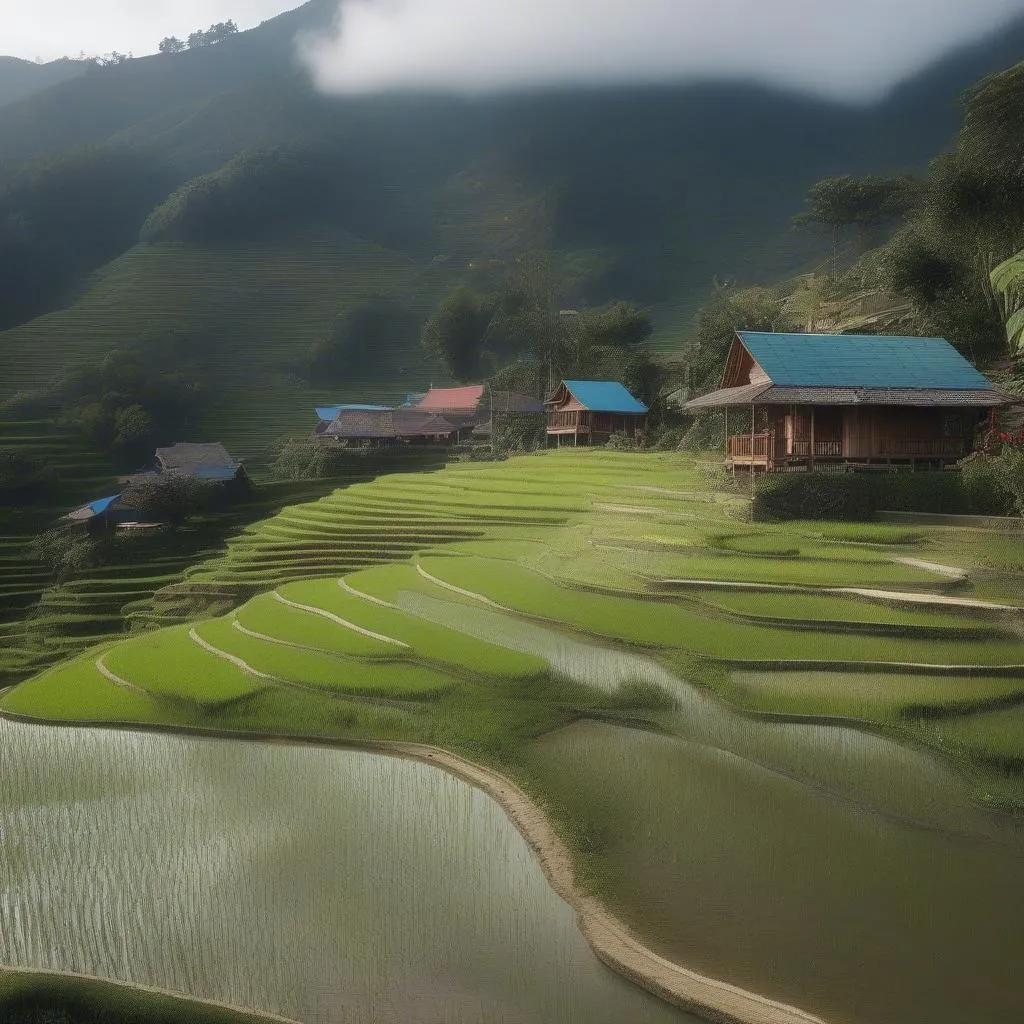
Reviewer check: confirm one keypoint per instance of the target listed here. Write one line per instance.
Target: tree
(133, 428)
(168, 498)
(362, 341)
(213, 35)
(172, 44)
(847, 201)
(456, 331)
(1008, 281)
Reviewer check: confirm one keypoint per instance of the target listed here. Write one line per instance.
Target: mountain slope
(20, 79)
(646, 193)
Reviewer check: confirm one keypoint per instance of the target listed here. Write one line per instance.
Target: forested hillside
(184, 233)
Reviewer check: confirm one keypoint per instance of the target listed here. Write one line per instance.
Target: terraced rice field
(811, 619)
(532, 613)
(43, 622)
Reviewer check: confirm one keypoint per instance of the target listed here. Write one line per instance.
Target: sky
(850, 49)
(47, 29)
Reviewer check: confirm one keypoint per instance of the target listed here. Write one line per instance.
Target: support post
(751, 447)
(810, 461)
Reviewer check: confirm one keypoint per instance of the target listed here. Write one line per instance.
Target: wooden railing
(758, 446)
(947, 446)
(801, 449)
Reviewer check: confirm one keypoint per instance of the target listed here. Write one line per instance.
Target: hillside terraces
(626, 549)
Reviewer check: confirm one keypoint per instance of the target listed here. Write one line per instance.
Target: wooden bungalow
(593, 410)
(827, 401)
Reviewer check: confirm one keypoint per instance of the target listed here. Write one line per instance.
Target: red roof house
(457, 401)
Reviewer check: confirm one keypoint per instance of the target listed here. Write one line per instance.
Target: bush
(669, 439)
(624, 443)
(860, 496)
(67, 553)
(168, 498)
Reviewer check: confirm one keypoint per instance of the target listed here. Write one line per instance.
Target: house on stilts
(838, 402)
(590, 411)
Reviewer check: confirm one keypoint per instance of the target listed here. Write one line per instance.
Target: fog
(854, 51)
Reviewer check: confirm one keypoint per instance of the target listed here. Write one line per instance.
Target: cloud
(835, 48)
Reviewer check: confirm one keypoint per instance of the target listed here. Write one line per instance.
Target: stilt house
(592, 410)
(829, 401)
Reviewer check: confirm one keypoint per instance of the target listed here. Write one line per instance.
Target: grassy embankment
(588, 543)
(36, 998)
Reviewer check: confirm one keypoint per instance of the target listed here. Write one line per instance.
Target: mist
(840, 50)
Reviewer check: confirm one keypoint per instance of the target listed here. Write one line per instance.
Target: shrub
(623, 443)
(860, 496)
(168, 498)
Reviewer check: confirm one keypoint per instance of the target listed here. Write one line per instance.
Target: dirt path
(907, 597)
(949, 571)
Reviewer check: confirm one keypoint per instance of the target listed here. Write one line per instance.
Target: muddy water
(740, 872)
(328, 886)
(824, 866)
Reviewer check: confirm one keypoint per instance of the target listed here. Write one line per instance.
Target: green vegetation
(870, 696)
(35, 998)
(170, 663)
(533, 536)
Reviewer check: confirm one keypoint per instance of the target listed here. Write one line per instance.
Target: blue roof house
(838, 401)
(593, 410)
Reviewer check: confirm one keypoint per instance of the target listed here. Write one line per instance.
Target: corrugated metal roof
(92, 509)
(604, 396)
(452, 398)
(862, 360)
(100, 505)
(328, 412)
(767, 394)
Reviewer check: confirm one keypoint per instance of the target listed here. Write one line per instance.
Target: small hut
(828, 401)
(105, 514)
(373, 428)
(202, 461)
(594, 410)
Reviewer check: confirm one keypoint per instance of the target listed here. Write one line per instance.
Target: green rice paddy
(594, 544)
(521, 613)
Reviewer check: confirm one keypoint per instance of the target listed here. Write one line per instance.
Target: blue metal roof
(604, 396)
(861, 360)
(329, 412)
(100, 505)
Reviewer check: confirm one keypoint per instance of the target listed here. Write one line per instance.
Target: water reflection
(323, 885)
(863, 767)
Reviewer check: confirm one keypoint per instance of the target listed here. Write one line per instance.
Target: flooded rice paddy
(825, 866)
(739, 872)
(324, 885)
